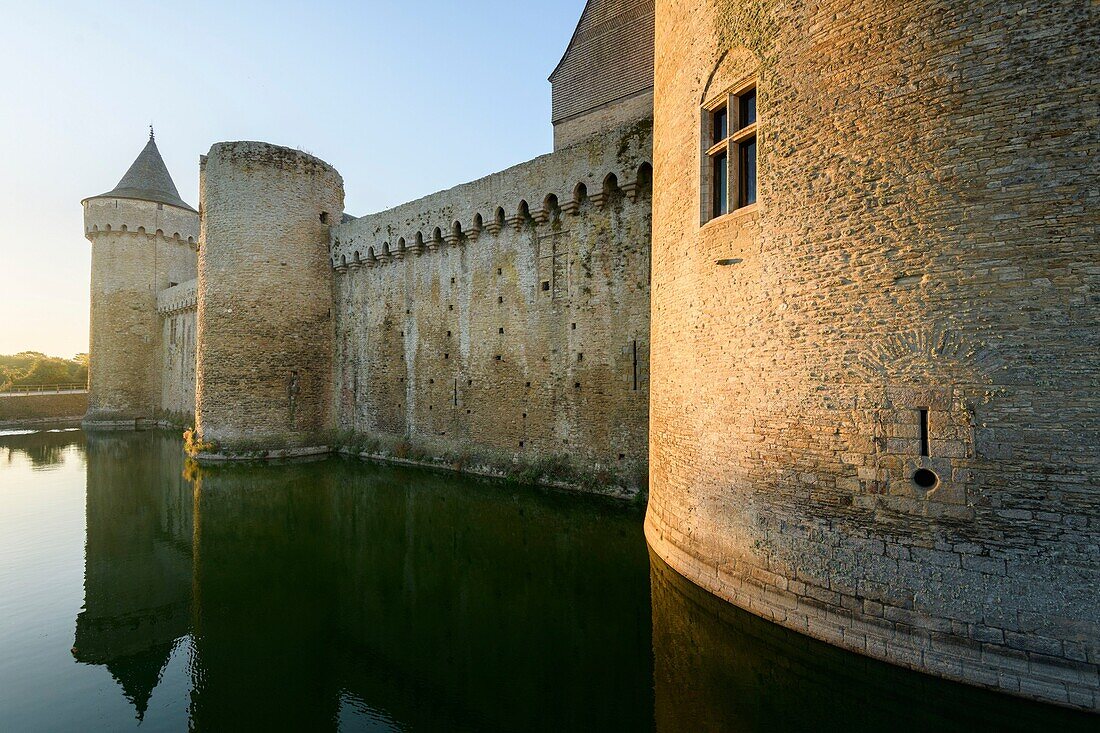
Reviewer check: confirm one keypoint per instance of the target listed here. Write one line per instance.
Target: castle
(861, 376)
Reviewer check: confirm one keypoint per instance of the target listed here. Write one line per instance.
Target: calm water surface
(139, 593)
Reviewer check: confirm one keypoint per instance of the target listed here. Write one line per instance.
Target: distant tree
(35, 369)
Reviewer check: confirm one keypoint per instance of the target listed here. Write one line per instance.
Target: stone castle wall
(178, 307)
(265, 298)
(925, 240)
(509, 315)
(139, 248)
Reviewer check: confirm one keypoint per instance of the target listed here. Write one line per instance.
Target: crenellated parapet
(594, 173)
(106, 215)
(179, 298)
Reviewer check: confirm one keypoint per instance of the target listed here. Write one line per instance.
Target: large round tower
(874, 404)
(143, 239)
(265, 298)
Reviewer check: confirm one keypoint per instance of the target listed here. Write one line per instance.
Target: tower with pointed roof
(144, 240)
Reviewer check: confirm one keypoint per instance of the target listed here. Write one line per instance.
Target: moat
(138, 590)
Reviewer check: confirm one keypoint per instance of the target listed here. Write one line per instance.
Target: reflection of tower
(137, 571)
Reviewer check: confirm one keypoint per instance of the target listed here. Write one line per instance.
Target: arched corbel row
(615, 185)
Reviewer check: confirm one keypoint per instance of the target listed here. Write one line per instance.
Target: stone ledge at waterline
(627, 483)
(23, 410)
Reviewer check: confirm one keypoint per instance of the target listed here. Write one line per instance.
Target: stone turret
(265, 296)
(144, 238)
(874, 401)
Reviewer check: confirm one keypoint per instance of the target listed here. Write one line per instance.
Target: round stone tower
(874, 404)
(265, 298)
(143, 239)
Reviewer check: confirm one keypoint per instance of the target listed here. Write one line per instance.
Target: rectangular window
(748, 109)
(721, 125)
(748, 172)
(720, 176)
(730, 156)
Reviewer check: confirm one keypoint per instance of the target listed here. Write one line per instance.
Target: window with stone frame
(729, 152)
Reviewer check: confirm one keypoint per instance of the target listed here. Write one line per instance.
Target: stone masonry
(923, 251)
(870, 398)
(507, 315)
(139, 249)
(265, 321)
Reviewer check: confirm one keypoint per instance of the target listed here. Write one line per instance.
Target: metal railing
(33, 388)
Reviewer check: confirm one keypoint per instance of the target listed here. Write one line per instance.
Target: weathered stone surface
(265, 335)
(924, 238)
(139, 248)
(18, 410)
(508, 315)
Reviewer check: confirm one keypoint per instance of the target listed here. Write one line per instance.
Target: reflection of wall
(486, 603)
(426, 598)
(719, 668)
(137, 575)
(262, 628)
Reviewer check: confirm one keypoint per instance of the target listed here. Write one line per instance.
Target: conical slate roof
(147, 180)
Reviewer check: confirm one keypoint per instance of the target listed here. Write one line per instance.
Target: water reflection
(718, 668)
(338, 595)
(318, 594)
(41, 448)
(138, 563)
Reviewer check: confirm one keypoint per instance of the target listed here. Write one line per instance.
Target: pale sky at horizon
(402, 98)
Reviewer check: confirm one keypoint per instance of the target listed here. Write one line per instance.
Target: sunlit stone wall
(23, 410)
(925, 239)
(139, 248)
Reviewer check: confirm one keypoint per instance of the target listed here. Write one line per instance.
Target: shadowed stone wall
(265, 342)
(177, 308)
(509, 315)
(924, 240)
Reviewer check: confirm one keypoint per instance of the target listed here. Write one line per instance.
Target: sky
(403, 98)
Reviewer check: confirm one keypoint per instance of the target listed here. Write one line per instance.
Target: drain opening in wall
(925, 478)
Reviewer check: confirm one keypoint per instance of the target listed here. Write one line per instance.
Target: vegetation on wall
(35, 369)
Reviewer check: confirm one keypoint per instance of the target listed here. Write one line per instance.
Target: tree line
(35, 369)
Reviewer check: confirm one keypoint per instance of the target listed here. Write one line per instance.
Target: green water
(334, 595)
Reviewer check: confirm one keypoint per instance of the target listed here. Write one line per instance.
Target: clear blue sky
(404, 98)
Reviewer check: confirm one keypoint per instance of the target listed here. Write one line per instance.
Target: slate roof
(147, 180)
(610, 57)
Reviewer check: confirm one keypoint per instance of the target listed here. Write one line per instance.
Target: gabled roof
(609, 57)
(147, 180)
